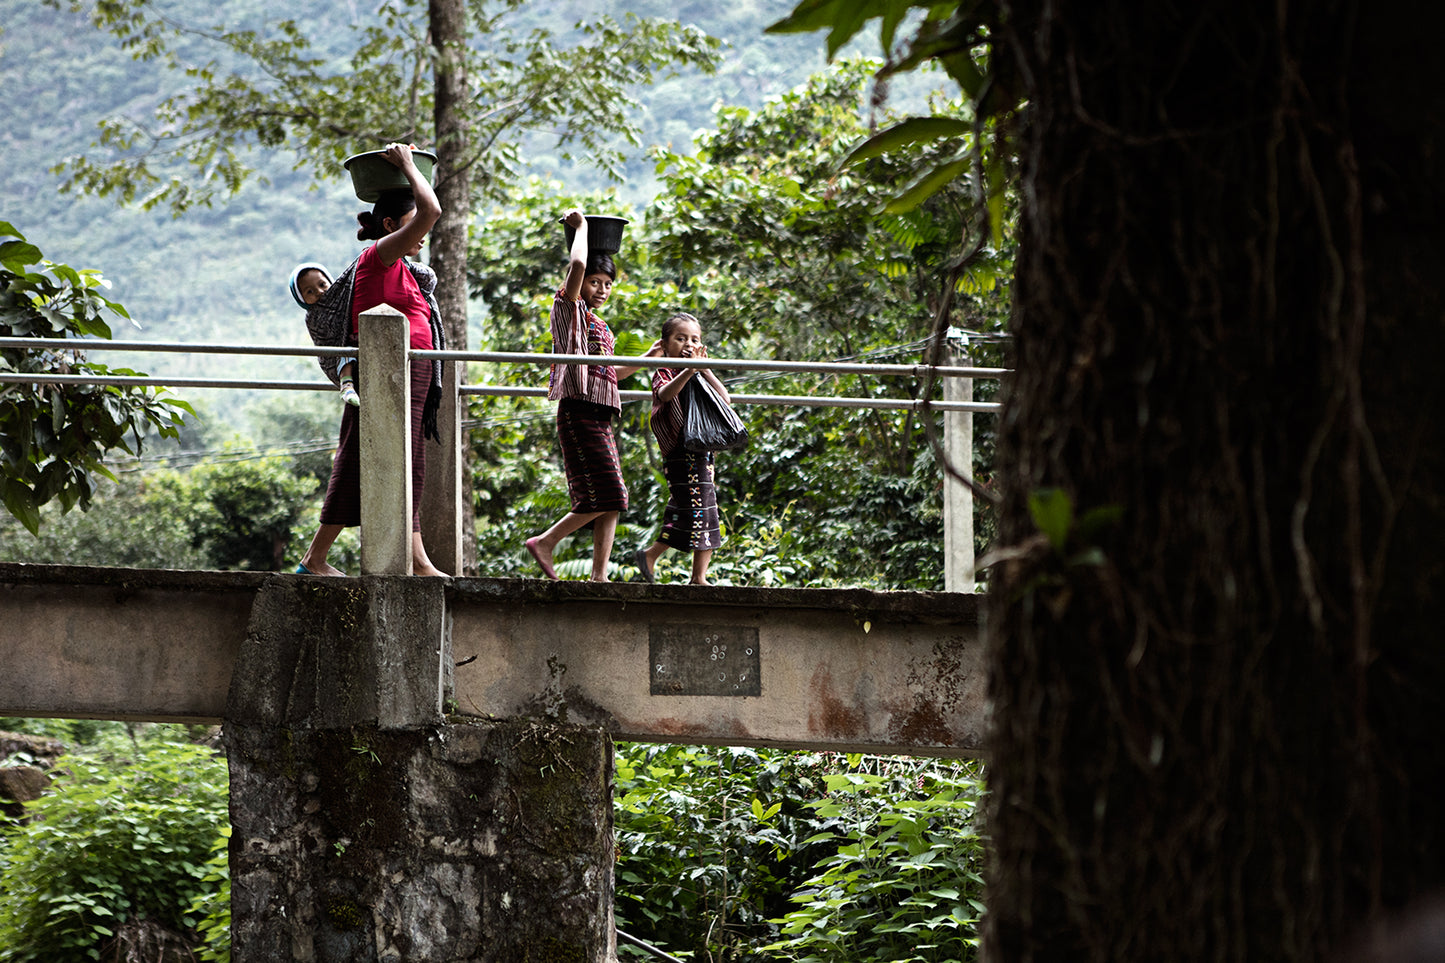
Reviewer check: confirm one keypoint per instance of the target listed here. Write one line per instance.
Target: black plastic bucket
(604, 233)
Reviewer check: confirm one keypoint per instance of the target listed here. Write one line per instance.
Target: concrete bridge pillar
(367, 826)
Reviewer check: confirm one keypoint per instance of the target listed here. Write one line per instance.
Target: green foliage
(767, 204)
(904, 884)
(738, 854)
(111, 844)
(957, 38)
(238, 510)
(243, 510)
(98, 737)
(697, 869)
(752, 855)
(54, 437)
(780, 253)
(211, 907)
(307, 421)
(275, 85)
(130, 525)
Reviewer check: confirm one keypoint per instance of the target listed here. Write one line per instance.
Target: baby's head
(681, 336)
(307, 283)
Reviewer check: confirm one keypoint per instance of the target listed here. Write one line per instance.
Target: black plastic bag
(709, 423)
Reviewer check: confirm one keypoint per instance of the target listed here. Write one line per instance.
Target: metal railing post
(441, 501)
(384, 382)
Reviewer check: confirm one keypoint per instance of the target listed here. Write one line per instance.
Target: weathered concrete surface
(844, 669)
(385, 440)
(847, 669)
(342, 652)
(120, 643)
(468, 843)
(365, 829)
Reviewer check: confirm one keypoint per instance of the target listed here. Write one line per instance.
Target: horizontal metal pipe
(136, 381)
(736, 364)
(516, 357)
(174, 347)
(803, 401)
(495, 391)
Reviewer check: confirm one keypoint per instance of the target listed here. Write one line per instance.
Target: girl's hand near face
(711, 377)
(652, 352)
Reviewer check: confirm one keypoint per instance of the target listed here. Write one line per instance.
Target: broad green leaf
(16, 255)
(1095, 520)
(812, 15)
(914, 130)
(927, 185)
(20, 502)
(1052, 510)
(962, 68)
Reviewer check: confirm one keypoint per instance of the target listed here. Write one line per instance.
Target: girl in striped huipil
(690, 521)
(587, 401)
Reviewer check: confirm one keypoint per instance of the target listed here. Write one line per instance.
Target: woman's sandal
(639, 558)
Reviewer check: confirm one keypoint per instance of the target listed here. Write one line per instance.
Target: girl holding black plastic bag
(690, 521)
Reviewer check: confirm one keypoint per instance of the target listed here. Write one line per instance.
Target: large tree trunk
(448, 25)
(1218, 737)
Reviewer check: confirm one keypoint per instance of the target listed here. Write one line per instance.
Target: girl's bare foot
(543, 557)
(318, 568)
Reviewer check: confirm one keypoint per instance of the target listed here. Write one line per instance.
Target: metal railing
(917, 371)
(385, 341)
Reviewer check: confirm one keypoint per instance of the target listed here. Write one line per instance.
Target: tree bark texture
(448, 24)
(1217, 720)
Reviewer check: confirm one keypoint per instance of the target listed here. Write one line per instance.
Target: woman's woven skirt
(343, 493)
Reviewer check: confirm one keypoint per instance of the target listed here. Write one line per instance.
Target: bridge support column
(369, 828)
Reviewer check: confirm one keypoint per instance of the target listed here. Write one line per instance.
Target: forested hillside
(743, 214)
(218, 274)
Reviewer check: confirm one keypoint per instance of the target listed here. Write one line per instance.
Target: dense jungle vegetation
(734, 854)
(742, 213)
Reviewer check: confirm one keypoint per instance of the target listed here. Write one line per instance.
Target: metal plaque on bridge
(688, 660)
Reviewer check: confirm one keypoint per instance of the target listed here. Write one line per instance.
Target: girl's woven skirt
(589, 453)
(690, 521)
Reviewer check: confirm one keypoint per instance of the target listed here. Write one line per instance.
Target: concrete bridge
(844, 669)
(421, 768)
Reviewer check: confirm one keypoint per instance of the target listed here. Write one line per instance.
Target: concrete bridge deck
(849, 669)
